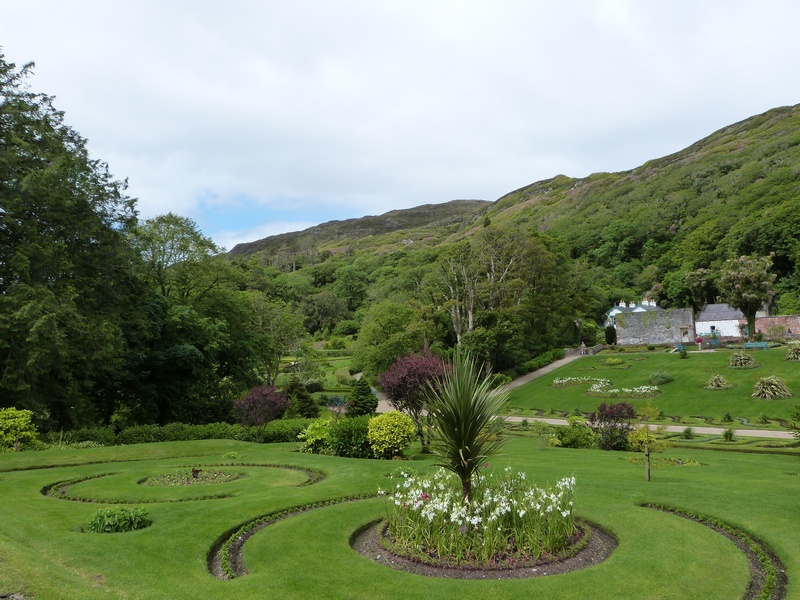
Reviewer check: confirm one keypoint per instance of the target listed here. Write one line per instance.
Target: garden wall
(669, 327)
(590, 350)
(778, 327)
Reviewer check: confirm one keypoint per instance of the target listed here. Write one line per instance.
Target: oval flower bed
(601, 388)
(507, 522)
(193, 476)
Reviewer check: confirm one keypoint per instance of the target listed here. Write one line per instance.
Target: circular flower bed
(507, 521)
(192, 476)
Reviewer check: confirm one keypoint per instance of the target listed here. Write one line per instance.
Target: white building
(624, 308)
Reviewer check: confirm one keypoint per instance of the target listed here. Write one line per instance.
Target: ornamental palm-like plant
(464, 410)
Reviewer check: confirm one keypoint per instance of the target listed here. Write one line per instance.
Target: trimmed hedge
(280, 430)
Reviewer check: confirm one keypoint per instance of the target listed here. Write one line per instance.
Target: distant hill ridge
(427, 215)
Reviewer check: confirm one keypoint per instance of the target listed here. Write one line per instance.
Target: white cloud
(359, 107)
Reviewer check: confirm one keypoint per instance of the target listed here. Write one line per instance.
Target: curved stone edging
(224, 559)
(768, 579)
(60, 489)
(601, 543)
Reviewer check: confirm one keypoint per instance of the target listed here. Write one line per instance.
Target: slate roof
(720, 312)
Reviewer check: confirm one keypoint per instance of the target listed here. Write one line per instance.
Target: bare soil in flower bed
(598, 547)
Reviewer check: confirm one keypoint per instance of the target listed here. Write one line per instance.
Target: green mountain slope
(734, 192)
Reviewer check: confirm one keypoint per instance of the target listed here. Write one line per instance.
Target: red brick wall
(769, 325)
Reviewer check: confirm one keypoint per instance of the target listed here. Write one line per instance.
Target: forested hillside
(108, 319)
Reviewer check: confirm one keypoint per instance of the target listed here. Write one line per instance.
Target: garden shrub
(687, 434)
(718, 382)
(770, 388)
(684, 354)
(282, 430)
(729, 435)
(260, 405)
(500, 379)
(612, 424)
(742, 360)
(104, 436)
(16, 428)
(660, 377)
(651, 347)
(544, 359)
(140, 434)
(343, 377)
(314, 386)
(315, 437)
(613, 362)
(300, 403)
(361, 401)
(575, 435)
(390, 434)
(117, 520)
(793, 352)
(348, 437)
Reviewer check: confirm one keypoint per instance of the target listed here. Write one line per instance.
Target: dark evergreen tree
(70, 302)
(361, 401)
(301, 403)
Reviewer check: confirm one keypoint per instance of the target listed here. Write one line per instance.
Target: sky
(259, 117)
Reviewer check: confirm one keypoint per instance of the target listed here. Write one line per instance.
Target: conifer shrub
(390, 434)
(300, 404)
(361, 401)
(771, 388)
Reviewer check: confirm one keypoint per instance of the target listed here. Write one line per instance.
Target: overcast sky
(259, 117)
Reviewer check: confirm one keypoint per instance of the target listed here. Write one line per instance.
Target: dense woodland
(106, 318)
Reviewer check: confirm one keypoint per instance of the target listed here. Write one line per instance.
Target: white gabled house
(722, 320)
(623, 308)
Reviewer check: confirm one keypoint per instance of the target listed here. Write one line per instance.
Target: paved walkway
(384, 406)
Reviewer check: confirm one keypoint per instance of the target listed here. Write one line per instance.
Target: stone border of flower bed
(595, 545)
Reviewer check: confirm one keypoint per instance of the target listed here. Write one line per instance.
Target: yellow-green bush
(16, 428)
(390, 434)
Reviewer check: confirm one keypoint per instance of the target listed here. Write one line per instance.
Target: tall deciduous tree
(69, 299)
(747, 284)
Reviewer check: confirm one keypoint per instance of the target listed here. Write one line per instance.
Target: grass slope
(684, 397)
(44, 555)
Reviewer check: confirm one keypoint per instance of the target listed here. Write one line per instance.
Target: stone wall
(778, 327)
(590, 350)
(668, 327)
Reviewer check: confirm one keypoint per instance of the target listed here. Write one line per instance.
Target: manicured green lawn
(44, 555)
(684, 397)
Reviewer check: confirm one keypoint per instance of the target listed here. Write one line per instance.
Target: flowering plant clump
(508, 519)
(603, 389)
(570, 381)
